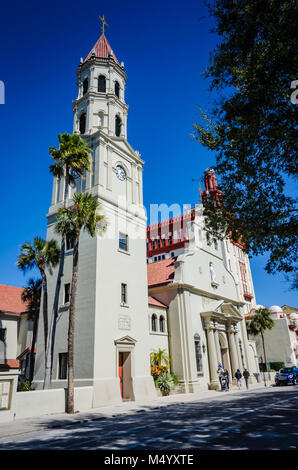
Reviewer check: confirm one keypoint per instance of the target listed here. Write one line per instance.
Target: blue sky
(165, 46)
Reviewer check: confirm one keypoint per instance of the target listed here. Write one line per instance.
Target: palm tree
(70, 222)
(260, 322)
(159, 358)
(31, 295)
(42, 255)
(72, 159)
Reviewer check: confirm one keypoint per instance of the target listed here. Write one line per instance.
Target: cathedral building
(173, 289)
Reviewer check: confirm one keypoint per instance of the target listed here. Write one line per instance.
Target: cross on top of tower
(104, 23)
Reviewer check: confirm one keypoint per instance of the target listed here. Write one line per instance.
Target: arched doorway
(224, 351)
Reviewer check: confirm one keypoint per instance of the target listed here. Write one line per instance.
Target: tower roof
(102, 49)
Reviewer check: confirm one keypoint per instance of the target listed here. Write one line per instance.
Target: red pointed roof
(155, 302)
(102, 49)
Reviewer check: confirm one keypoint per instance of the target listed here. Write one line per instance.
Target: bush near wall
(271, 366)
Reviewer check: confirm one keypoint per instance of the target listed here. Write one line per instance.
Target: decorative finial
(102, 19)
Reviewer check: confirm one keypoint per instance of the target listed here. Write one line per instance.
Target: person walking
(227, 377)
(238, 376)
(246, 375)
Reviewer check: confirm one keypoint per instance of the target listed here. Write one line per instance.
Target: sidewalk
(39, 423)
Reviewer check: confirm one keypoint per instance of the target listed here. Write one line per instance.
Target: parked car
(287, 375)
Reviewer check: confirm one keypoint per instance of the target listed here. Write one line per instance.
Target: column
(233, 351)
(214, 382)
(217, 346)
(240, 365)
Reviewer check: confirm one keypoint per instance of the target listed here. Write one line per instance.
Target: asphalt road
(253, 420)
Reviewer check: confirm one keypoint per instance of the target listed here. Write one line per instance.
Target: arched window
(85, 86)
(162, 324)
(101, 84)
(154, 322)
(83, 123)
(117, 89)
(117, 126)
(198, 352)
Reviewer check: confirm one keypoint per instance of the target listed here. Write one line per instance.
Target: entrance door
(125, 375)
(121, 360)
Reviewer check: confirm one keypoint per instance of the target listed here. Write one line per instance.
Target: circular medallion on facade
(120, 173)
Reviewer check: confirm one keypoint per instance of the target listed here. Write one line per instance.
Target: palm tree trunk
(32, 354)
(263, 342)
(70, 389)
(45, 306)
(50, 342)
(52, 332)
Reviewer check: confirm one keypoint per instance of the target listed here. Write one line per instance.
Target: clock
(120, 173)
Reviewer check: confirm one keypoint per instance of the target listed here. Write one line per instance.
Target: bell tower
(112, 347)
(100, 104)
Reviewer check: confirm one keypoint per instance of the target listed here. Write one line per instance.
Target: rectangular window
(170, 239)
(163, 242)
(62, 373)
(123, 293)
(66, 293)
(158, 243)
(123, 242)
(198, 355)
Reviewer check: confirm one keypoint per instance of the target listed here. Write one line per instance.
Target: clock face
(120, 172)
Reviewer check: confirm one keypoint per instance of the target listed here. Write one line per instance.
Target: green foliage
(175, 379)
(274, 366)
(252, 127)
(41, 254)
(165, 383)
(81, 215)
(260, 322)
(72, 155)
(159, 358)
(32, 294)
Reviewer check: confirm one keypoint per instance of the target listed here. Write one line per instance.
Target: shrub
(165, 383)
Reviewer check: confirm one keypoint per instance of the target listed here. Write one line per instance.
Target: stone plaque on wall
(124, 322)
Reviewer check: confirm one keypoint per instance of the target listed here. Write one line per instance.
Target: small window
(117, 89)
(163, 257)
(123, 293)
(172, 254)
(123, 242)
(101, 87)
(208, 239)
(163, 240)
(158, 243)
(154, 322)
(66, 293)
(198, 353)
(85, 86)
(170, 239)
(62, 374)
(83, 123)
(162, 324)
(118, 126)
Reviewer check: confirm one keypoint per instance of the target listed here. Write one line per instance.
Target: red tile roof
(155, 302)
(11, 300)
(161, 272)
(102, 49)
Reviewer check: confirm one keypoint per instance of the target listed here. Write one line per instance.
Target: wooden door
(121, 361)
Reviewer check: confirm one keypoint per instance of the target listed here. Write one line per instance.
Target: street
(263, 419)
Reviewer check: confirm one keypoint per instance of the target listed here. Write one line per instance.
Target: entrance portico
(221, 326)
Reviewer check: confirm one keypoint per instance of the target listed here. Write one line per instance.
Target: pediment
(126, 340)
(222, 309)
